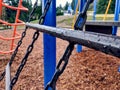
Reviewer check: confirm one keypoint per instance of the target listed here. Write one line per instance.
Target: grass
(69, 21)
(99, 18)
(35, 21)
(23, 26)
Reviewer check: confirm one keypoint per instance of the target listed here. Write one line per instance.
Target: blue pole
(94, 11)
(75, 2)
(116, 16)
(49, 44)
(82, 3)
(119, 69)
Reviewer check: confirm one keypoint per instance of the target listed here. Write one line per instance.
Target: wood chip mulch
(88, 70)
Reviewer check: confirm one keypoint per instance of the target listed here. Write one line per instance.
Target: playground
(87, 70)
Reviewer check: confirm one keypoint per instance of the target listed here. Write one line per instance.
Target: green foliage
(59, 10)
(24, 15)
(66, 6)
(102, 5)
(73, 4)
(11, 14)
(90, 7)
(38, 12)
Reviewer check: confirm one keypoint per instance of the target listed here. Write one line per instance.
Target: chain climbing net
(65, 58)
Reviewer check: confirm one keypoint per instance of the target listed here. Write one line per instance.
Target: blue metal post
(116, 16)
(75, 2)
(119, 69)
(94, 9)
(49, 44)
(82, 3)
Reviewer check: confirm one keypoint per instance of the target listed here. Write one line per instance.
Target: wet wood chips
(88, 70)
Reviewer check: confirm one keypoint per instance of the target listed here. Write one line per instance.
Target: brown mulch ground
(88, 70)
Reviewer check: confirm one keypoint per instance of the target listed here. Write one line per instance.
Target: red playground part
(18, 22)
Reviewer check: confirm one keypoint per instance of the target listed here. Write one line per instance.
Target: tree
(66, 6)
(60, 7)
(24, 15)
(38, 11)
(11, 14)
(102, 5)
(59, 10)
(73, 4)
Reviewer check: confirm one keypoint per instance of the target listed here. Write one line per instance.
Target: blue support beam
(119, 69)
(75, 2)
(49, 44)
(116, 16)
(82, 3)
(94, 9)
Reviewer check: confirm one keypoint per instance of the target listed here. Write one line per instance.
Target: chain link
(20, 41)
(82, 17)
(24, 60)
(2, 75)
(42, 17)
(65, 58)
(30, 47)
(61, 66)
(80, 22)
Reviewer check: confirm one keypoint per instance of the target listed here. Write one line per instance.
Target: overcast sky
(62, 2)
(58, 2)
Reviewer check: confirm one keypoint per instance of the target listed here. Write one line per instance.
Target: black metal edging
(103, 23)
(105, 43)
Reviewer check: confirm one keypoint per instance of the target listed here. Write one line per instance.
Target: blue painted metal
(49, 44)
(94, 9)
(116, 16)
(119, 69)
(75, 2)
(82, 3)
(69, 9)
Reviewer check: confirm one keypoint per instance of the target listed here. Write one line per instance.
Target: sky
(58, 2)
(62, 2)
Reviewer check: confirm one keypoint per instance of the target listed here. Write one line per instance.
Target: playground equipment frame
(18, 22)
(116, 18)
(49, 43)
(116, 14)
(105, 43)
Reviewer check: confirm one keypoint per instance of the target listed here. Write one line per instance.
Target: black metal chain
(63, 61)
(30, 47)
(21, 39)
(24, 60)
(80, 22)
(65, 58)
(60, 67)
(42, 17)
